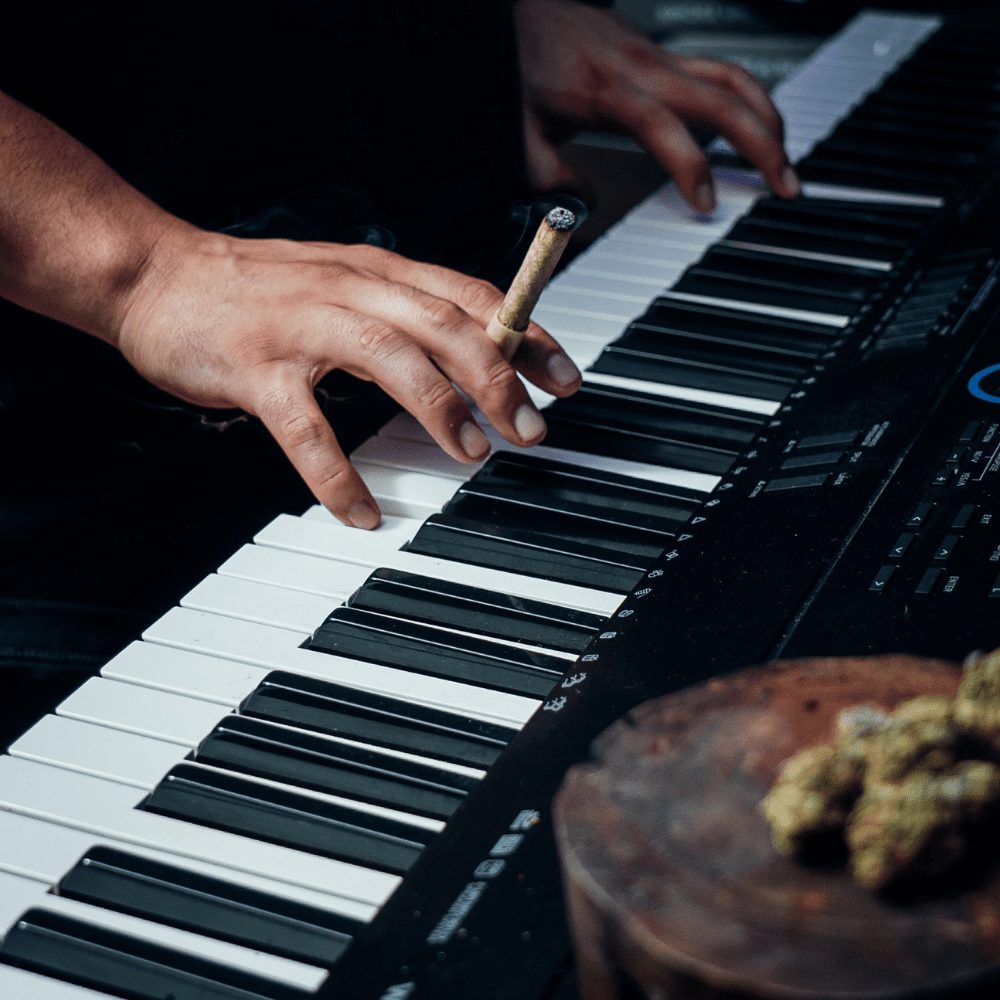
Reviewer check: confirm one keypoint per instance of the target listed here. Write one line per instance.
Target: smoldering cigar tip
(561, 219)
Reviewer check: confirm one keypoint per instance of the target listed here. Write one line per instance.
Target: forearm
(74, 236)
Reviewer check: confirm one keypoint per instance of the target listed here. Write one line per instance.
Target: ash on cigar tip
(561, 218)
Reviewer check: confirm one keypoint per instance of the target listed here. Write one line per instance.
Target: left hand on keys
(585, 67)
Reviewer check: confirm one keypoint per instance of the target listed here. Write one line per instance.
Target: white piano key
(141, 761)
(747, 404)
(172, 718)
(106, 808)
(192, 675)
(280, 649)
(635, 268)
(558, 322)
(223, 682)
(405, 428)
(46, 851)
(829, 258)
(760, 309)
(317, 536)
(641, 238)
(622, 307)
(256, 602)
(403, 493)
(606, 286)
(875, 196)
(428, 458)
(253, 601)
(17, 895)
(20, 985)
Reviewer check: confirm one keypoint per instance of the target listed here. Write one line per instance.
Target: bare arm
(255, 324)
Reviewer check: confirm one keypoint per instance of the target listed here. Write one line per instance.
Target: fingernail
(363, 515)
(562, 371)
(473, 441)
(704, 198)
(528, 422)
(791, 183)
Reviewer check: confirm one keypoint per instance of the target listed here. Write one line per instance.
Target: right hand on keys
(255, 324)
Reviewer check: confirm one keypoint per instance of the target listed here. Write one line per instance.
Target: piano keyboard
(236, 798)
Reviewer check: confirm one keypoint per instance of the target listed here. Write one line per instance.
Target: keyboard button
(946, 549)
(928, 581)
(901, 546)
(796, 482)
(829, 440)
(881, 579)
(970, 431)
(818, 458)
(920, 515)
(963, 516)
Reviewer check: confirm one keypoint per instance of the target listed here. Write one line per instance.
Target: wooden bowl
(675, 890)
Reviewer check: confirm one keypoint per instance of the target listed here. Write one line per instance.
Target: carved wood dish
(675, 890)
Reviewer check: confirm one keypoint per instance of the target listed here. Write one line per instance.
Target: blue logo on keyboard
(976, 385)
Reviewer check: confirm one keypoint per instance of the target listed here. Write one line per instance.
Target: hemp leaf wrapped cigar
(511, 320)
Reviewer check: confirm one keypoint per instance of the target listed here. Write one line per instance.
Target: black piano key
(631, 502)
(847, 171)
(263, 750)
(453, 605)
(336, 710)
(816, 239)
(563, 529)
(289, 819)
(165, 894)
(77, 952)
(652, 429)
(727, 327)
(650, 334)
(807, 276)
(720, 285)
(376, 638)
(519, 550)
(592, 434)
(701, 369)
(556, 511)
(888, 222)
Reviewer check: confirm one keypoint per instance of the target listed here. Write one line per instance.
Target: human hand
(585, 67)
(256, 324)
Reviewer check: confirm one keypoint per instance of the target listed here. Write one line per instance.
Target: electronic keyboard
(328, 771)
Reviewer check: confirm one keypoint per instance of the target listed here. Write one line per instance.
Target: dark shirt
(397, 120)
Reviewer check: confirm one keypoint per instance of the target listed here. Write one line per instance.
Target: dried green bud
(812, 797)
(918, 828)
(981, 679)
(920, 735)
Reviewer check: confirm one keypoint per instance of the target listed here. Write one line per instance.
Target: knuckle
(440, 314)
(380, 342)
(333, 478)
(499, 378)
(300, 430)
(480, 296)
(436, 395)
